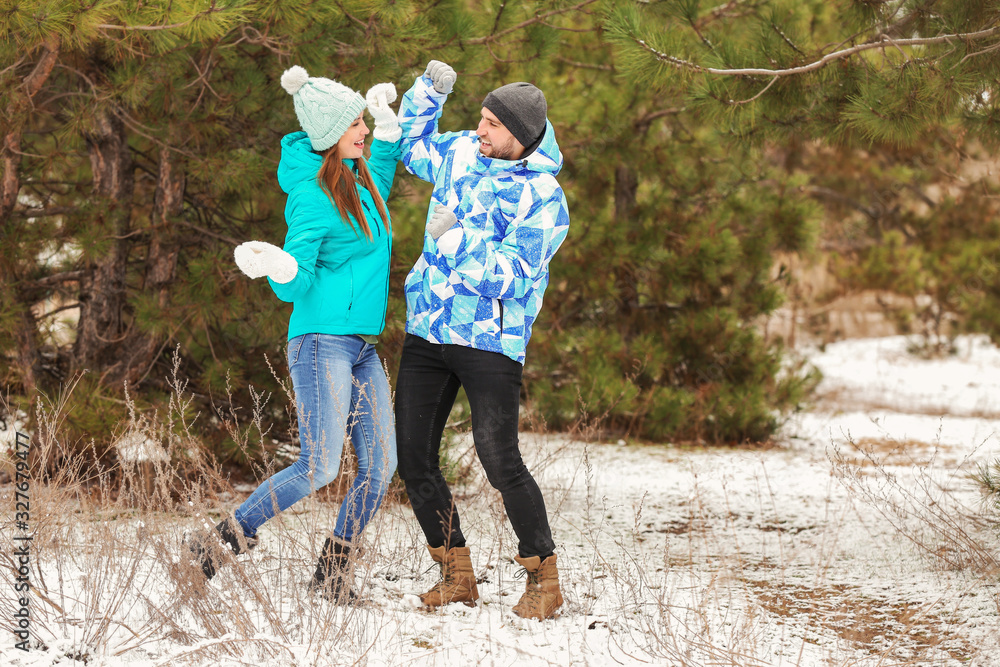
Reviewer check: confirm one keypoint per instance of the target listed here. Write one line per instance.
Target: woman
(334, 269)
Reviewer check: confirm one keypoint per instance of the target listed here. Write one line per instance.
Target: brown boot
(541, 594)
(458, 581)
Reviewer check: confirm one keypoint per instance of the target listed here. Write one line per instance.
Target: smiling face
(352, 144)
(495, 140)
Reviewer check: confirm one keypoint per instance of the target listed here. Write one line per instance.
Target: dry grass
(710, 580)
(844, 399)
(924, 508)
(881, 627)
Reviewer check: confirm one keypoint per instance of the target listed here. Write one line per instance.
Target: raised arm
(423, 146)
(386, 147)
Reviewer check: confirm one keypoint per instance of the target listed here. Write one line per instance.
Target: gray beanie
(521, 108)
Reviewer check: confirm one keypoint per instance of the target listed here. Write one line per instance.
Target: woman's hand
(379, 97)
(258, 259)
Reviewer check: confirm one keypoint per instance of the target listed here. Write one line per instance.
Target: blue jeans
(340, 387)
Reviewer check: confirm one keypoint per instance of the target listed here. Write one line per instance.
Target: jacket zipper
(371, 215)
(388, 272)
(500, 303)
(388, 267)
(351, 302)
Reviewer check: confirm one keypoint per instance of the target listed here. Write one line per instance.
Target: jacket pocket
(329, 300)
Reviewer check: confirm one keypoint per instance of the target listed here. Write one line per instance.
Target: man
(497, 216)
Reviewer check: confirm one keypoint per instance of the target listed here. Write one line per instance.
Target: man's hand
(379, 97)
(258, 259)
(442, 76)
(441, 221)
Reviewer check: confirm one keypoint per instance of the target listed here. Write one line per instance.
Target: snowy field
(855, 539)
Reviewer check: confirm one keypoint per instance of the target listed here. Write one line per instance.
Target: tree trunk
(626, 185)
(102, 327)
(161, 259)
(10, 151)
(26, 329)
(10, 156)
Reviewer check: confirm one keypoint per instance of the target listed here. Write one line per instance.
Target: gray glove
(386, 125)
(441, 75)
(441, 221)
(258, 259)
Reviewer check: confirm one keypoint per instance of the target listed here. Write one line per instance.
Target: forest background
(716, 156)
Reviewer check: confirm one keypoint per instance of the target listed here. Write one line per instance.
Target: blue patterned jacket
(481, 283)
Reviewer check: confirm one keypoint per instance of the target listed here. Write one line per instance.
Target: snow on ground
(845, 543)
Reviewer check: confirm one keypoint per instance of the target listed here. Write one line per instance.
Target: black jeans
(426, 386)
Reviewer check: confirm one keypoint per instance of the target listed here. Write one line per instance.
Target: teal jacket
(342, 285)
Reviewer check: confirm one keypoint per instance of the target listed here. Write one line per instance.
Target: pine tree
(903, 98)
(848, 71)
(649, 325)
(140, 143)
(140, 146)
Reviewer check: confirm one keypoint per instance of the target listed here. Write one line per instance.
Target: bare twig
(44, 212)
(564, 29)
(13, 65)
(643, 122)
(496, 21)
(833, 195)
(539, 18)
(680, 63)
(979, 53)
(787, 40)
(574, 63)
(56, 278)
(144, 28)
(757, 96)
(154, 28)
(207, 232)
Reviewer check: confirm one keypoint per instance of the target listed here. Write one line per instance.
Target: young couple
(497, 216)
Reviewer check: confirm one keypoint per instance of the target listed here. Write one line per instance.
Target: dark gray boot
(334, 573)
(207, 548)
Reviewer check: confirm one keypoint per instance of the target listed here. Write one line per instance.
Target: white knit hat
(325, 108)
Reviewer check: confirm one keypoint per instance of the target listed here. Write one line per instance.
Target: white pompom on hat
(324, 107)
(294, 78)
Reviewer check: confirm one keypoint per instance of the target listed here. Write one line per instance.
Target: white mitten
(441, 221)
(379, 97)
(442, 76)
(258, 259)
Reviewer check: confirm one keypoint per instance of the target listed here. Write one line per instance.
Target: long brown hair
(337, 179)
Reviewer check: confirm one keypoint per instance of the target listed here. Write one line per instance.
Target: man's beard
(500, 151)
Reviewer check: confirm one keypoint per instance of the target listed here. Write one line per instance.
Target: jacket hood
(298, 161)
(546, 159)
